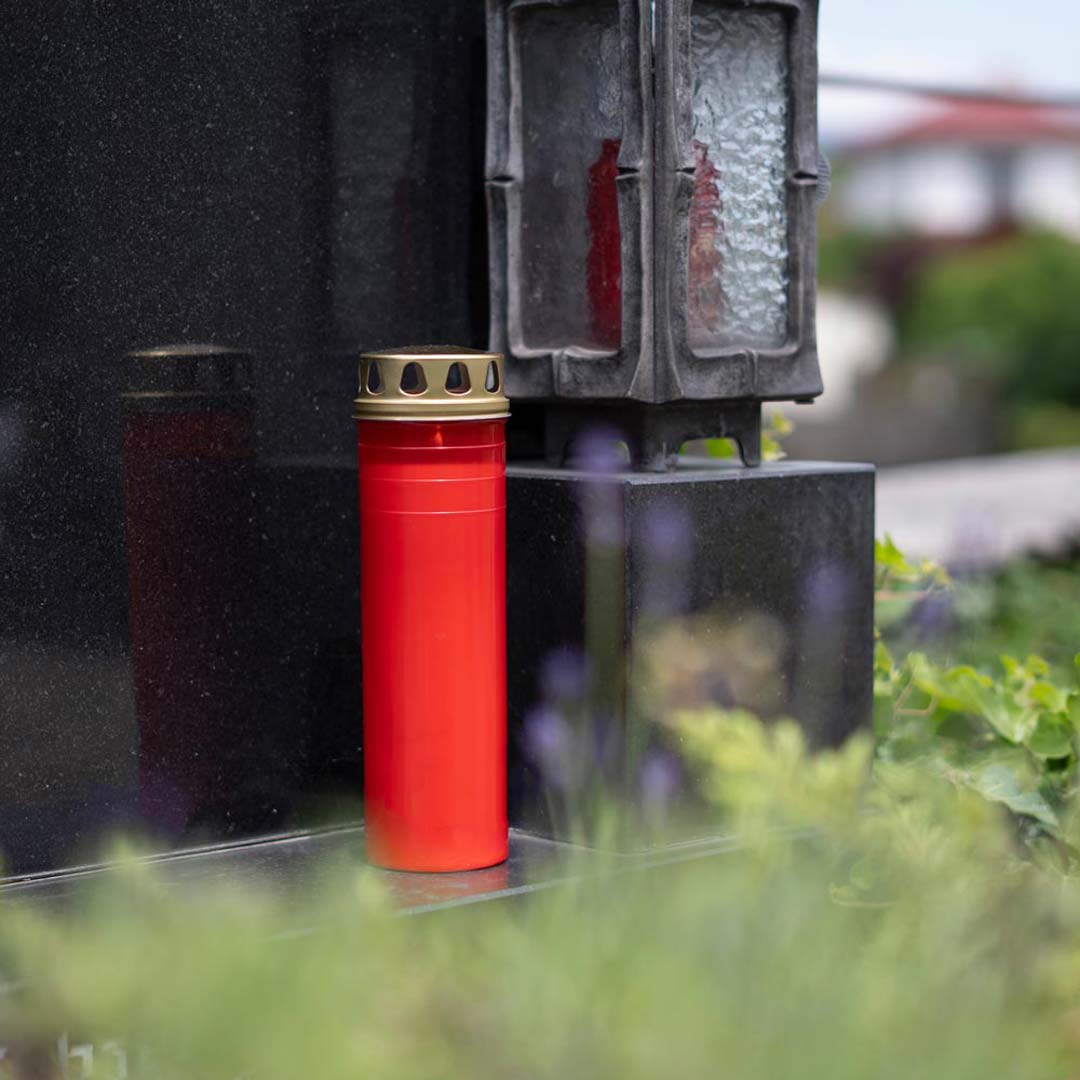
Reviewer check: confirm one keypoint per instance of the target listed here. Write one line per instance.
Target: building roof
(984, 123)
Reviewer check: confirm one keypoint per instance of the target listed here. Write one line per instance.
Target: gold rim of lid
(431, 382)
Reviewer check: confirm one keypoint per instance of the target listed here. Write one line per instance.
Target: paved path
(983, 511)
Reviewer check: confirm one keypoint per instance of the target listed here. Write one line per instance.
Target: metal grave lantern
(652, 173)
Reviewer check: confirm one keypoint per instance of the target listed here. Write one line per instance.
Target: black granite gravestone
(300, 179)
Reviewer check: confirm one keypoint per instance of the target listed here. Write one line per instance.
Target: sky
(1032, 47)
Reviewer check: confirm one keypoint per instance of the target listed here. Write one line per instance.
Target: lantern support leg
(653, 434)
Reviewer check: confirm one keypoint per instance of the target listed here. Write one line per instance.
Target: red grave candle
(432, 456)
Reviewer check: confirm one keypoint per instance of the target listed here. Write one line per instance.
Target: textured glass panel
(570, 129)
(738, 214)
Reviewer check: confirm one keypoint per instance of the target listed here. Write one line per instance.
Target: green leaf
(998, 782)
(889, 556)
(1052, 736)
(779, 427)
(780, 424)
(1073, 711)
(719, 448)
(965, 690)
(883, 661)
(1037, 666)
(1050, 697)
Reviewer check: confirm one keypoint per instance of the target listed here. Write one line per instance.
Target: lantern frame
(655, 386)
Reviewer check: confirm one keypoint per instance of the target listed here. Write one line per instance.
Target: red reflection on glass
(190, 529)
(706, 297)
(603, 263)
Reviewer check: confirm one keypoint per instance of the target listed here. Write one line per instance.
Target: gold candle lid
(431, 382)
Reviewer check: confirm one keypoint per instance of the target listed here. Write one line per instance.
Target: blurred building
(964, 169)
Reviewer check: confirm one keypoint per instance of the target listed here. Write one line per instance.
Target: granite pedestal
(629, 594)
(634, 595)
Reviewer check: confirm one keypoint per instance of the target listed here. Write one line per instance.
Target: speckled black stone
(71, 735)
(300, 180)
(597, 561)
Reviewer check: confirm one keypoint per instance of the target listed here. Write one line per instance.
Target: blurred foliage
(1008, 310)
(905, 904)
(1030, 606)
(900, 938)
(900, 584)
(876, 922)
(774, 427)
(1039, 425)
(1006, 729)
(845, 256)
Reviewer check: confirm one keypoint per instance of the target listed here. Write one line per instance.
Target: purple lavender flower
(932, 617)
(660, 781)
(828, 589)
(562, 675)
(668, 535)
(549, 743)
(599, 450)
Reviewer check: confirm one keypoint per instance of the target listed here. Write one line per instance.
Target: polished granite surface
(179, 621)
(632, 593)
(299, 861)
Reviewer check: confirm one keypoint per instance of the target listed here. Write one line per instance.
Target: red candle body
(433, 599)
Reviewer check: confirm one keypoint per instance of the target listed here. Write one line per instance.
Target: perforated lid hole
(413, 380)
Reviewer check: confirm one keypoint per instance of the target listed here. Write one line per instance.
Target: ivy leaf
(888, 555)
(780, 424)
(719, 448)
(883, 661)
(1073, 710)
(965, 690)
(1052, 736)
(1037, 667)
(998, 782)
(1050, 697)
(1011, 666)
